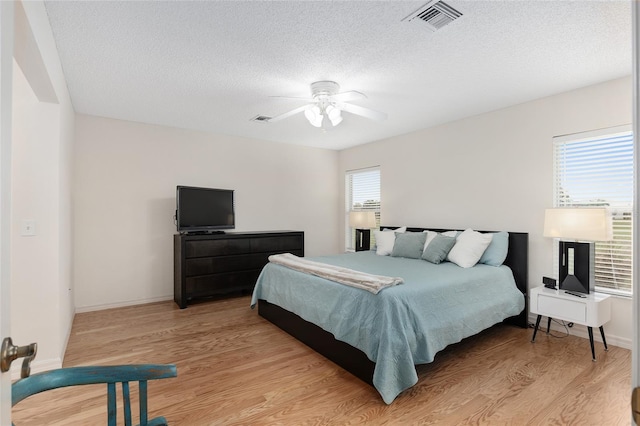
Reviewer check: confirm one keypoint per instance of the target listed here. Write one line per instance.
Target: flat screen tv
(204, 209)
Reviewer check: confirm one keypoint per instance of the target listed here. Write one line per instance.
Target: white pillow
(430, 236)
(470, 245)
(386, 239)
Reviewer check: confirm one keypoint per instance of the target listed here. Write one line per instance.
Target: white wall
(41, 288)
(493, 171)
(34, 259)
(124, 200)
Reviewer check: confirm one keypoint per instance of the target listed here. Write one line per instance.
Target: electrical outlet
(28, 228)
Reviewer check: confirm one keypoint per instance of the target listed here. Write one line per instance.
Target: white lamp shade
(314, 116)
(362, 220)
(585, 224)
(334, 115)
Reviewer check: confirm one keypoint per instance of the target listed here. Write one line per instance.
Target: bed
(380, 338)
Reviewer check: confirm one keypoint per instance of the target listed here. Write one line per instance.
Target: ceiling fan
(326, 105)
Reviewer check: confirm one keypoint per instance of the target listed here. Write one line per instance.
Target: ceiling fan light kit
(314, 115)
(327, 101)
(334, 114)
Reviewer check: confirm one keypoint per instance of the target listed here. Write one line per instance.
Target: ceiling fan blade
(297, 98)
(362, 111)
(289, 113)
(351, 95)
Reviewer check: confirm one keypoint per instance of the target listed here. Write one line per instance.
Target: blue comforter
(402, 326)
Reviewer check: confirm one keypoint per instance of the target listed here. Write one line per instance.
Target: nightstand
(593, 310)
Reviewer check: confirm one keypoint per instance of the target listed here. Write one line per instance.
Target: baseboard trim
(36, 366)
(581, 331)
(81, 309)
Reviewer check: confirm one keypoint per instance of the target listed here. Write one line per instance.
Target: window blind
(595, 169)
(362, 192)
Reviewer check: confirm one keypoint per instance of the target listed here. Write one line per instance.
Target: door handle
(635, 405)
(9, 352)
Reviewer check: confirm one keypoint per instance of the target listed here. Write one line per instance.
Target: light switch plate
(28, 228)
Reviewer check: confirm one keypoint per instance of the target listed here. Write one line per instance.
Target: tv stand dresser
(214, 264)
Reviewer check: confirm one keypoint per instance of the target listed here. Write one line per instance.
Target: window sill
(614, 292)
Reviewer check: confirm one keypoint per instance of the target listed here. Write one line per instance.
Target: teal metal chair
(111, 375)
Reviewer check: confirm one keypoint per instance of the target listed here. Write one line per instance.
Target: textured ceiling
(212, 66)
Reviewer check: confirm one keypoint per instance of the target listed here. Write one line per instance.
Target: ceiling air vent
(261, 119)
(433, 15)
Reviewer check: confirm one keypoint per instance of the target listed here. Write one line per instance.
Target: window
(362, 193)
(595, 169)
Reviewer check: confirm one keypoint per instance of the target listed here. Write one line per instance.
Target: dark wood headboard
(517, 259)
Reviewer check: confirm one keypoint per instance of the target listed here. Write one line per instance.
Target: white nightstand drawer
(593, 310)
(567, 310)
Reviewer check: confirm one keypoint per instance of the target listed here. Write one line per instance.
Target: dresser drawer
(221, 283)
(214, 265)
(276, 244)
(568, 310)
(204, 248)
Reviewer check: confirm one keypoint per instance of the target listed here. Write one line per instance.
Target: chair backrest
(110, 375)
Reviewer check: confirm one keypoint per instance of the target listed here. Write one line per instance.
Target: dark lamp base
(363, 239)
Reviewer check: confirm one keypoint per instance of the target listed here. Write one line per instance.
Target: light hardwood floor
(235, 368)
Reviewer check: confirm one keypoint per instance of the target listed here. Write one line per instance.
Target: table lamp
(577, 229)
(362, 222)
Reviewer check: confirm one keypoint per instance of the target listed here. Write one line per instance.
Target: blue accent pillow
(438, 248)
(409, 244)
(496, 252)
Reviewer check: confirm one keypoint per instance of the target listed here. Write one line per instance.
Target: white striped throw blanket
(362, 280)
